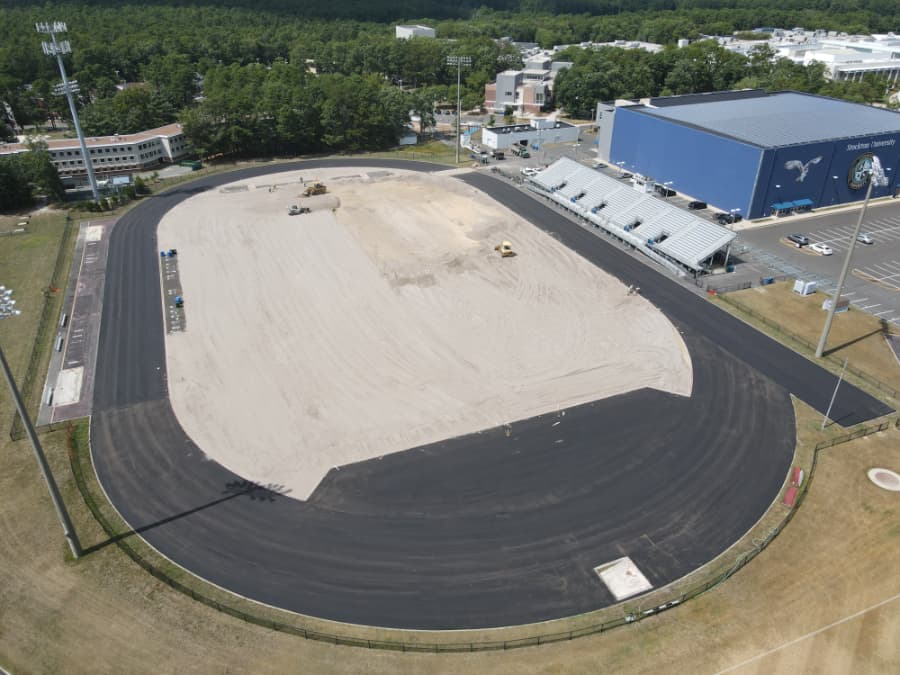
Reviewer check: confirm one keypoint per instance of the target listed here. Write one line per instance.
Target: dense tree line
(289, 76)
(608, 73)
(26, 175)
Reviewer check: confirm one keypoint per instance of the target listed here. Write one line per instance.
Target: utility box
(804, 287)
(843, 304)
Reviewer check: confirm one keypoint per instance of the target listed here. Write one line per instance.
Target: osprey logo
(801, 167)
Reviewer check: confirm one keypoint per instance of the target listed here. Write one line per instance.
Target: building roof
(655, 227)
(779, 119)
(95, 141)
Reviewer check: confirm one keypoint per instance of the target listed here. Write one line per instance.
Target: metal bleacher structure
(678, 240)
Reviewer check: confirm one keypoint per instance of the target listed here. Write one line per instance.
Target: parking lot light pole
(876, 176)
(6, 309)
(459, 62)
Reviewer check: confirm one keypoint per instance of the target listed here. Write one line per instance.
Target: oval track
(483, 530)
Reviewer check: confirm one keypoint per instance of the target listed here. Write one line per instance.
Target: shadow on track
(257, 492)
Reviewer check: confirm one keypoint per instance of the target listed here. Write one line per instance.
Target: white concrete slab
(623, 578)
(68, 386)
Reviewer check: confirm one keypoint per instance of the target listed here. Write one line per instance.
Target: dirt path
(385, 320)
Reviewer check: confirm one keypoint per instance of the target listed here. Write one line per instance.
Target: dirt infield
(384, 320)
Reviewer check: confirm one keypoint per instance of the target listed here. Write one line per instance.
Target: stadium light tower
(876, 176)
(459, 62)
(7, 309)
(57, 49)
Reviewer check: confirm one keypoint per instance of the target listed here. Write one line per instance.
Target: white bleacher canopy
(643, 220)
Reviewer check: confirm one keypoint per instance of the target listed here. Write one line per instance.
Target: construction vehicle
(505, 249)
(298, 210)
(315, 189)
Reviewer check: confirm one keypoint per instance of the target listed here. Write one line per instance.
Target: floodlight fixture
(876, 176)
(56, 48)
(459, 62)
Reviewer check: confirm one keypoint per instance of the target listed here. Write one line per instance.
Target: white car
(529, 171)
(865, 239)
(821, 249)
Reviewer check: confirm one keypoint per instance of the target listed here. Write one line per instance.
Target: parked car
(625, 175)
(497, 154)
(821, 249)
(529, 171)
(728, 218)
(865, 239)
(663, 191)
(696, 205)
(599, 165)
(798, 240)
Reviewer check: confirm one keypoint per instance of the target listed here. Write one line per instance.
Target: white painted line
(868, 307)
(887, 311)
(810, 634)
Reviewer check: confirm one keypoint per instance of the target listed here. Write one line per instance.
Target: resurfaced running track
(497, 528)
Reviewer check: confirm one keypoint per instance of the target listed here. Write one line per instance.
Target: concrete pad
(623, 578)
(68, 386)
(93, 233)
(387, 322)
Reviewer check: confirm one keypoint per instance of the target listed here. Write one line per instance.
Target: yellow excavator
(505, 249)
(315, 189)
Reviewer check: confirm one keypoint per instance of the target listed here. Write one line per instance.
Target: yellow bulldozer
(505, 249)
(315, 189)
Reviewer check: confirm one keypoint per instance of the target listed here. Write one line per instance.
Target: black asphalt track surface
(489, 529)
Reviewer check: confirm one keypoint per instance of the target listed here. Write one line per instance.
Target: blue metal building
(754, 153)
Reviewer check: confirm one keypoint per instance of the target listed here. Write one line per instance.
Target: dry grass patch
(855, 336)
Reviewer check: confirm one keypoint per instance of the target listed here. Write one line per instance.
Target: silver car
(865, 239)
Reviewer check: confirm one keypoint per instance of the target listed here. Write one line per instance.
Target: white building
(536, 133)
(112, 155)
(411, 31)
(846, 57)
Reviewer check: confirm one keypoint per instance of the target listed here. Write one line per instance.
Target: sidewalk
(852, 207)
(69, 388)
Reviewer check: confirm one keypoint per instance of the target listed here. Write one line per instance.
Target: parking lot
(874, 282)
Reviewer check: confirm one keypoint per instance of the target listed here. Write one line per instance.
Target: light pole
(459, 62)
(621, 166)
(7, 308)
(666, 187)
(57, 49)
(834, 196)
(876, 176)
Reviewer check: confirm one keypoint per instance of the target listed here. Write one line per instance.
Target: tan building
(112, 155)
(526, 91)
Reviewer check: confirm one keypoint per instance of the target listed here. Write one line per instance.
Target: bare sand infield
(385, 320)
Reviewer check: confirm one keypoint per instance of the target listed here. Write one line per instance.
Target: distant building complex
(846, 57)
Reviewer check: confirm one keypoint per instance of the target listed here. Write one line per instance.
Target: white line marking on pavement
(811, 634)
